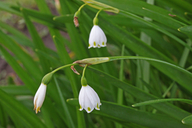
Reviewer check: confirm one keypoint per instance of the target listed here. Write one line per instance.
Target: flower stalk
(97, 37)
(88, 98)
(76, 16)
(41, 92)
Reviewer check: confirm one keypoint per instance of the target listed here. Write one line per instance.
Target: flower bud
(92, 61)
(39, 97)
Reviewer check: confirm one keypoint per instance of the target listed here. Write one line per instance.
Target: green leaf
(16, 90)
(37, 41)
(185, 29)
(161, 100)
(187, 120)
(19, 70)
(65, 107)
(27, 61)
(17, 35)
(167, 108)
(180, 75)
(64, 19)
(16, 107)
(153, 12)
(6, 7)
(126, 114)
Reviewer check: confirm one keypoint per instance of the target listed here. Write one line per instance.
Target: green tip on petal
(98, 106)
(89, 109)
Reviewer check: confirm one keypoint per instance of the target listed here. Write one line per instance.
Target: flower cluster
(88, 98)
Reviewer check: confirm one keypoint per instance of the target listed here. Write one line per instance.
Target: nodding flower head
(39, 97)
(97, 37)
(88, 99)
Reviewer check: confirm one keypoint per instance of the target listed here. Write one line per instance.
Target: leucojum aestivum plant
(88, 98)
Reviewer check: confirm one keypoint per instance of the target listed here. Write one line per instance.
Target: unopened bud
(92, 61)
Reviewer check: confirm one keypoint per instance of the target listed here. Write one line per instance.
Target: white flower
(97, 37)
(88, 99)
(39, 97)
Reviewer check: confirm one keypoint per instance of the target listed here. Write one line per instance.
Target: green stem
(99, 12)
(145, 66)
(59, 68)
(185, 54)
(145, 73)
(182, 63)
(120, 91)
(149, 102)
(95, 20)
(83, 74)
(81, 7)
(83, 79)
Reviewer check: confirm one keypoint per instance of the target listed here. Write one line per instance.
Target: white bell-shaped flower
(97, 37)
(88, 99)
(39, 97)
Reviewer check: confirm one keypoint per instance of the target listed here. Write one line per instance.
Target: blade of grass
(27, 61)
(175, 72)
(126, 114)
(15, 90)
(187, 120)
(37, 42)
(160, 101)
(19, 70)
(23, 39)
(145, 38)
(121, 77)
(25, 114)
(151, 12)
(64, 55)
(182, 63)
(67, 8)
(3, 116)
(166, 108)
(6, 7)
(71, 124)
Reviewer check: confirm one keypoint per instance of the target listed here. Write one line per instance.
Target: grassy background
(152, 37)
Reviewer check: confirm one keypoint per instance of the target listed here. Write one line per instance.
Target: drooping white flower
(88, 99)
(97, 37)
(39, 97)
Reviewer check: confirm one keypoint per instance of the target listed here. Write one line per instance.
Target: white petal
(88, 105)
(81, 98)
(97, 37)
(88, 99)
(92, 95)
(41, 95)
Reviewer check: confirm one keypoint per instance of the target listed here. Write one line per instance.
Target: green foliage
(152, 40)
